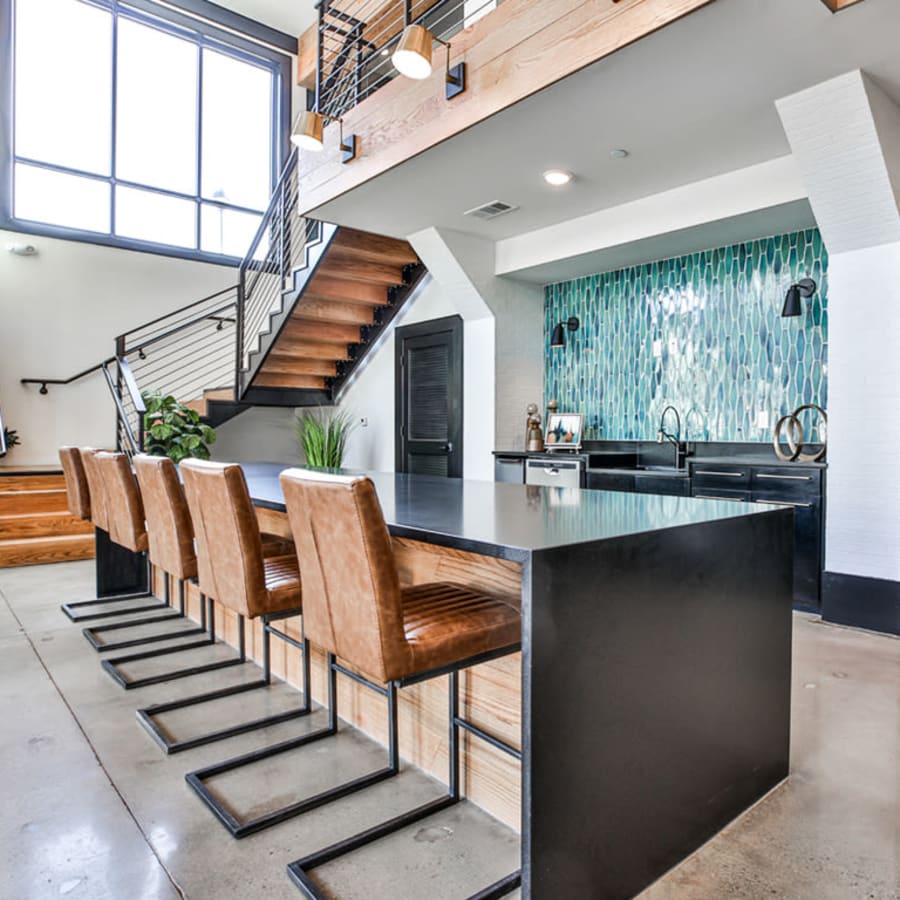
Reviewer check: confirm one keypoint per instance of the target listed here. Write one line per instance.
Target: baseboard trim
(872, 603)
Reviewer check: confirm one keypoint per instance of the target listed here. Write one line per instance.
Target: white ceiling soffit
(290, 16)
(690, 102)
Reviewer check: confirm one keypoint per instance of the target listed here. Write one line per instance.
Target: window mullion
(114, 116)
(199, 144)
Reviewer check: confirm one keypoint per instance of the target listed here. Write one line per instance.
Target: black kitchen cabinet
(610, 481)
(662, 484)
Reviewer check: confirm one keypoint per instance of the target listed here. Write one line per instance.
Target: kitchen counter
(655, 665)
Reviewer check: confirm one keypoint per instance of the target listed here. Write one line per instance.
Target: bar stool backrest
(229, 547)
(170, 532)
(124, 508)
(352, 603)
(78, 495)
(96, 488)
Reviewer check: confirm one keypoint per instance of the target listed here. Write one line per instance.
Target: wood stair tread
(39, 550)
(282, 380)
(379, 248)
(42, 524)
(332, 311)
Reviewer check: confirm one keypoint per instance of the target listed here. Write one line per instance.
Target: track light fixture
(558, 338)
(412, 58)
(806, 287)
(308, 134)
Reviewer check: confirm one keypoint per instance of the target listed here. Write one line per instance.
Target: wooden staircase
(35, 525)
(338, 303)
(217, 405)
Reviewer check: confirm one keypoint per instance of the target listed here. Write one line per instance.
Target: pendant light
(412, 58)
(308, 134)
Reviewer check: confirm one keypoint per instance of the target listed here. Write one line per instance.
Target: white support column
(845, 136)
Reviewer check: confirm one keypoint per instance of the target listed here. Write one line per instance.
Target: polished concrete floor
(91, 808)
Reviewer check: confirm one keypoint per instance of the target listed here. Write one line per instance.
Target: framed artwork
(564, 431)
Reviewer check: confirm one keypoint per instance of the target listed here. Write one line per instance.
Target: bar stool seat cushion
(282, 583)
(445, 623)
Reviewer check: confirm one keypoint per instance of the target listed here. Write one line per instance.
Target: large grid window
(131, 129)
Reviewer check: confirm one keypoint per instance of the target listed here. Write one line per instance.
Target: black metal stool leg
(111, 664)
(92, 633)
(147, 715)
(298, 871)
(71, 608)
(237, 828)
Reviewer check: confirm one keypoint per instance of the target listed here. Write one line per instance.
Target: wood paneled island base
(651, 699)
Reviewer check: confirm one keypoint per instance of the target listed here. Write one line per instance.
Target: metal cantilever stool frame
(313, 568)
(209, 558)
(126, 522)
(86, 501)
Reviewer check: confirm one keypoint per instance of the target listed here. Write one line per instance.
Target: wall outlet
(363, 422)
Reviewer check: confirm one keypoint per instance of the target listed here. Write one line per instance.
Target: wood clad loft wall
(490, 694)
(511, 53)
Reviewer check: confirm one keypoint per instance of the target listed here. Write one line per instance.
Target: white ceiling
(693, 101)
(290, 16)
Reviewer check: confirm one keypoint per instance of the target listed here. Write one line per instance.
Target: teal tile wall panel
(703, 332)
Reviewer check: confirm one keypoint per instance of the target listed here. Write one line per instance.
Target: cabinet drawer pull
(708, 497)
(719, 474)
(783, 503)
(785, 477)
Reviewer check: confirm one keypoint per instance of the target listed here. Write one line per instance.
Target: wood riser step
(20, 502)
(48, 482)
(32, 525)
(37, 551)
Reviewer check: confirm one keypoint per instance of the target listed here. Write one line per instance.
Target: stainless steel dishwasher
(554, 472)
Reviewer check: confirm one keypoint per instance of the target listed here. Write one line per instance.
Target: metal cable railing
(267, 272)
(357, 37)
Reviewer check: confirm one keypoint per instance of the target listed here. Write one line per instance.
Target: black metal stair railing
(267, 280)
(356, 39)
(184, 354)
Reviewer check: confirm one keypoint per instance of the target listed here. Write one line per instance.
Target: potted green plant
(10, 439)
(173, 429)
(322, 436)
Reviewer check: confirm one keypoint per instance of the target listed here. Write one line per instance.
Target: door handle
(448, 447)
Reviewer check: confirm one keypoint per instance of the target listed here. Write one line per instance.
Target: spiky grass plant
(322, 435)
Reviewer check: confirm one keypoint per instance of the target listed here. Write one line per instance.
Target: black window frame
(203, 23)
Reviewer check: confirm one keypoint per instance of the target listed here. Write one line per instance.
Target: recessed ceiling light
(557, 177)
(618, 154)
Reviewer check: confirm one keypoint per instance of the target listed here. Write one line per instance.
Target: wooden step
(36, 482)
(310, 330)
(333, 311)
(34, 551)
(291, 364)
(339, 265)
(375, 247)
(280, 380)
(326, 287)
(312, 349)
(31, 525)
(20, 502)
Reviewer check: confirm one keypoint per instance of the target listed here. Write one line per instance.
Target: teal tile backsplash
(703, 332)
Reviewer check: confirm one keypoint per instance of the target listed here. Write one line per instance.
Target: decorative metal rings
(794, 436)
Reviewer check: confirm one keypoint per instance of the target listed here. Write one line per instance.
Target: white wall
(60, 312)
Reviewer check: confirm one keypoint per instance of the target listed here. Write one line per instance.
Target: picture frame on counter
(564, 431)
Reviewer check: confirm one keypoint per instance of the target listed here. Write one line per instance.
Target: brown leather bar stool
(171, 534)
(125, 511)
(355, 608)
(79, 496)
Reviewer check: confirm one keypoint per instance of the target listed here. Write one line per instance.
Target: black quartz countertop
(512, 520)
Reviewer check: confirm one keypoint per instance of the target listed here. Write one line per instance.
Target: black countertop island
(656, 661)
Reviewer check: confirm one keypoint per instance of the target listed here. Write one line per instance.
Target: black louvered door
(430, 398)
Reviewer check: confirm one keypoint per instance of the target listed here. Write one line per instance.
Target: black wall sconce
(806, 287)
(558, 338)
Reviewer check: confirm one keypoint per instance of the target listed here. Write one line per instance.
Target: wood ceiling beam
(514, 51)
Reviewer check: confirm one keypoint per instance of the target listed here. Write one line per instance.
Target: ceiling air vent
(491, 210)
